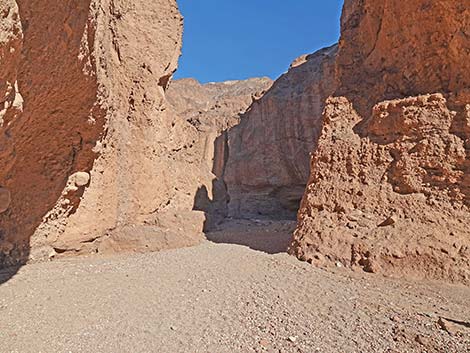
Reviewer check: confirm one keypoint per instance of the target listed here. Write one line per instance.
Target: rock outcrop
(389, 190)
(216, 104)
(209, 110)
(91, 154)
(268, 164)
(93, 158)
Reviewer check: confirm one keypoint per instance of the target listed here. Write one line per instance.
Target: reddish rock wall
(389, 184)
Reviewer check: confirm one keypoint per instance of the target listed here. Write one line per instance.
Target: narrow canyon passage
(326, 210)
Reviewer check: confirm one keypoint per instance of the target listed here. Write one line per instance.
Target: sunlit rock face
(87, 141)
(211, 110)
(389, 188)
(268, 163)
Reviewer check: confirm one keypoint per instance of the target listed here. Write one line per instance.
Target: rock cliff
(210, 110)
(93, 157)
(100, 152)
(389, 185)
(268, 163)
(91, 154)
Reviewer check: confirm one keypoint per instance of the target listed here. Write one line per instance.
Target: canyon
(327, 210)
(102, 152)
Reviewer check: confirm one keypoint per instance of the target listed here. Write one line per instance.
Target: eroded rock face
(94, 158)
(215, 104)
(400, 49)
(389, 185)
(11, 40)
(210, 110)
(53, 118)
(268, 163)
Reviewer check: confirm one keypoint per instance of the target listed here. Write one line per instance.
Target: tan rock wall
(389, 186)
(268, 164)
(212, 109)
(96, 161)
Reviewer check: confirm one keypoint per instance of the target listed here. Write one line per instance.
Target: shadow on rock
(9, 273)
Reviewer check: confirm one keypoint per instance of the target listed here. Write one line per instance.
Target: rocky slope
(268, 163)
(389, 186)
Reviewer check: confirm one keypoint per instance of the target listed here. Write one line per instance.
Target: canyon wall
(389, 190)
(50, 121)
(92, 157)
(100, 152)
(268, 163)
(211, 110)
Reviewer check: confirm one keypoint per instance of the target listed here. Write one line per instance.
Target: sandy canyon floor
(239, 292)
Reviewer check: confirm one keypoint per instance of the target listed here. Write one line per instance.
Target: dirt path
(224, 298)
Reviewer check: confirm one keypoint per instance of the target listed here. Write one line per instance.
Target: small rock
(5, 199)
(395, 318)
(264, 343)
(292, 339)
(81, 178)
(339, 264)
(389, 221)
(446, 325)
(424, 341)
(429, 314)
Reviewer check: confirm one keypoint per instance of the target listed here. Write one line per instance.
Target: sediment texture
(268, 164)
(389, 185)
(395, 49)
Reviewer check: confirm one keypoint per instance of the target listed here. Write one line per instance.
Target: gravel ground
(221, 297)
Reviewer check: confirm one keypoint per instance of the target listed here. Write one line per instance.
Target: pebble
(264, 343)
(81, 178)
(390, 221)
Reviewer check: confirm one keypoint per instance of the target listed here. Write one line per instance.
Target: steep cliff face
(51, 120)
(136, 47)
(389, 184)
(92, 155)
(394, 49)
(210, 110)
(215, 104)
(11, 40)
(268, 164)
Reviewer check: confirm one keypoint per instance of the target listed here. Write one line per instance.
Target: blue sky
(238, 39)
